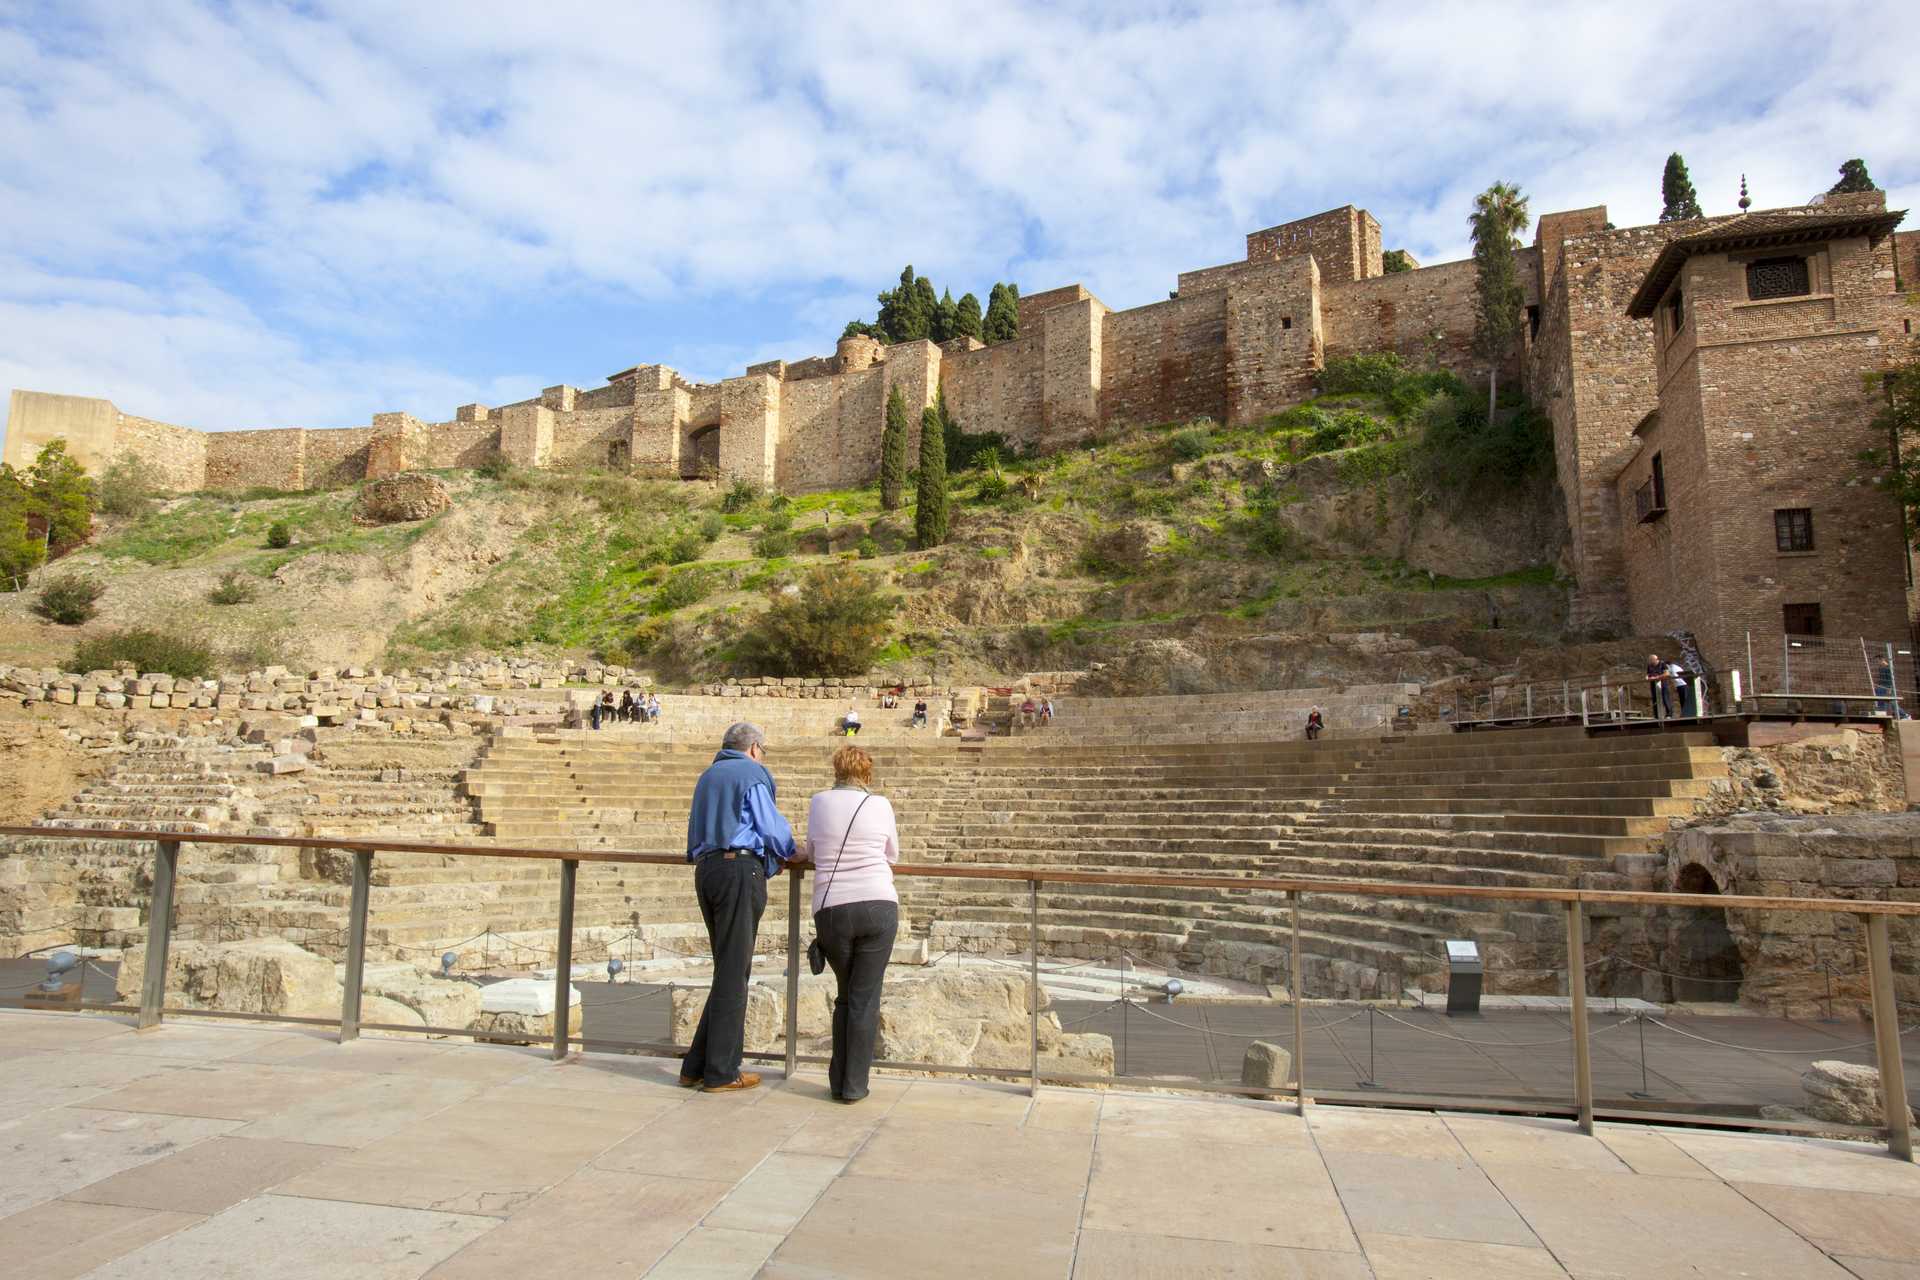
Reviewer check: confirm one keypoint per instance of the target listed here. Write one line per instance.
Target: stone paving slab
(261, 1153)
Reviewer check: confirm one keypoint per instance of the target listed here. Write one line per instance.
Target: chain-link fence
(1829, 675)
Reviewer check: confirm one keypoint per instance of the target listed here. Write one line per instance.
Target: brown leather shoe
(689, 1082)
(746, 1080)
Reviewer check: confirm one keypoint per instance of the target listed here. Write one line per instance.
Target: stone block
(1860, 874)
(268, 975)
(1267, 1066)
(289, 763)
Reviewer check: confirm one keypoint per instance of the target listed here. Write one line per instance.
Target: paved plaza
(209, 1149)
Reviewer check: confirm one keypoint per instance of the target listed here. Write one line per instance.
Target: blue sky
(244, 215)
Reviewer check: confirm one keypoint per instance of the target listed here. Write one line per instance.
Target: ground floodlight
(447, 961)
(614, 966)
(59, 964)
(1173, 987)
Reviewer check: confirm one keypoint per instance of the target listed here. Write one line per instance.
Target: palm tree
(1499, 216)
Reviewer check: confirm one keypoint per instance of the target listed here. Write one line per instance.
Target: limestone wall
(1165, 362)
(337, 458)
(36, 418)
(451, 444)
(177, 456)
(997, 388)
(272, 459)
(1423, 315)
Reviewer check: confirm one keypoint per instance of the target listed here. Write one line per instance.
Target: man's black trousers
(733, 896)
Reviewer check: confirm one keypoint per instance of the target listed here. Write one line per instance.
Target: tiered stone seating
(1270, 716)
(704, 718)
(1542, 809)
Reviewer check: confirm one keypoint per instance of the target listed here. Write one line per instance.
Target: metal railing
(150, 1011)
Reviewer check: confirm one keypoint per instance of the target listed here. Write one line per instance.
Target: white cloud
(242, 214)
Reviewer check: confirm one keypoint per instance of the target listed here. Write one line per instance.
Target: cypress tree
(966, 317)
(1499, 215)
(1853, 177)
(1003, 314)
(930, 499)
(893, 452)
(1678, 202)
(945, 316)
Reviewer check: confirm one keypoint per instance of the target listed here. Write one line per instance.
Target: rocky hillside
(1185, 556)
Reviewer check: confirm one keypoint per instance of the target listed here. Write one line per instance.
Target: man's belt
(728, 854)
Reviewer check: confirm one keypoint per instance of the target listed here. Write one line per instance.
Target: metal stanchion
(793, 969)
(563, 962)
(1299, 1013)
(356, 946)
(153, 991)
(1577, 989)
(1640, 1020)
(1886, 1039)
(1373, 1080)
(1033, 988)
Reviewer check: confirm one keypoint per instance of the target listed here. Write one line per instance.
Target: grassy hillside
(1346, 513)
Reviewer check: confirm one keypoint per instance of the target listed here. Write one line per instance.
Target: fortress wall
(36, 418)
(830, 429)
(584, 436)
(1420, 314)
(451, 444)
(1906, 259)
(611, 396)
(176, 456)
(1032, 305)
(997, 388)
(1274, 342)
(1335, 239)
(1070, 390)
(337, 457)
(703, 404)
(1166, 362)
(750, 428)
(271, 459)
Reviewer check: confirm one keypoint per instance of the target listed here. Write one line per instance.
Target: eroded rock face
(1844, 1093)
(433, 1001)
(264, 975)
(959, 1018)
(1266, 1065)
(411, 495)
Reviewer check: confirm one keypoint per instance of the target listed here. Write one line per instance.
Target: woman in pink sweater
(853, 844)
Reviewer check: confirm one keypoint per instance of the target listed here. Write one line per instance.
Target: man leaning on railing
(737, 841)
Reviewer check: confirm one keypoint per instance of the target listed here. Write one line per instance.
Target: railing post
(1886, 1039)
(1299, 1008)
(1583, 708)
(793, 969)
(356, 946)
(1033, 988)
(153, 991)
(563, 962)
(1577, 989)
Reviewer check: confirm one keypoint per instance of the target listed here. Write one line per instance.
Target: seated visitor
(1046, 711)
(604, 708)
(919, 720)
(1029, 711)
(626, 704)
(888, 700)
(653, 706)
(1315, 723)
(850, 722)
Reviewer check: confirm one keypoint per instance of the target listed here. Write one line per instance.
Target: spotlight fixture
(447, 960)
(614, 966)
(1173, 987)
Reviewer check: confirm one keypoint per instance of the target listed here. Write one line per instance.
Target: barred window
(1801, 619)
(1777, 278)
(1793, 529)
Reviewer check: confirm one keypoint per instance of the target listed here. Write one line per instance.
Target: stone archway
(1703, 958)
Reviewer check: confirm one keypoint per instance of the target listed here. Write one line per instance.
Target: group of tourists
(737, 840)
(1670, 684)
(1033, 713)
(850, 722)
(641, 709)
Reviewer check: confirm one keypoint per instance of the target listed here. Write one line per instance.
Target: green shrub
(69, 600)
(689, 586)
(834, 625)
(778, 521)
(233, 589)
(1461, 452)
(127, 487)
(740, 497)
(712, 525)
(965, 448)
(685, 546)
(773, 544)
(1192, 443)
(279, 535)
(145, 650)
(616, 656)
(992, 487)
(1373, 374)
(868, 548)
(494, 468)
(1269, 535)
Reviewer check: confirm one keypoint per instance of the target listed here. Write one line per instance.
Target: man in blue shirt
(736, 840)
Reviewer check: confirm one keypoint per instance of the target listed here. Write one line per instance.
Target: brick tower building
(1745, 504)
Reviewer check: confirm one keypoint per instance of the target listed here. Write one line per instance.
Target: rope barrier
(1499, 1044)
(1235, 1035)
(1747, 1048)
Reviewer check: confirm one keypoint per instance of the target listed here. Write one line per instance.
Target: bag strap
(828, 887)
